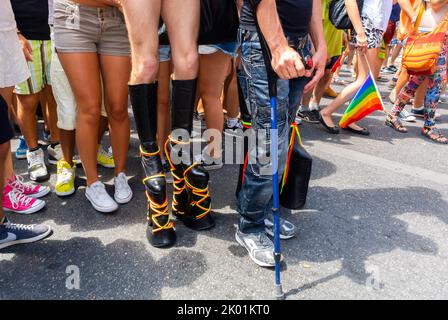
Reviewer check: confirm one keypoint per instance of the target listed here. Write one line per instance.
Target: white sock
(418, 108)
(313, 106)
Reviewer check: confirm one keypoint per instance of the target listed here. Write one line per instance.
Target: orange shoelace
(203, 194)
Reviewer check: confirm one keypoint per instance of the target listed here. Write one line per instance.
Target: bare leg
(115, 71)
(83, 73)
(183, 32)
(26, 117)
(67, 139)
(231, 101)
(323, 83)
(213, 71)
(51, 112)
(142, 18)
(420, 94)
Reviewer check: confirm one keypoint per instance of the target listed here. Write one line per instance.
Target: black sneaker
(309, 116)
(13, 233)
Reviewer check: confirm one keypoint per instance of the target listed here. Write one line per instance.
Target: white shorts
(13, 67)
(65, 99)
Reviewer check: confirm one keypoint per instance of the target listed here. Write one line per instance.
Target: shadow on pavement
(119, 270)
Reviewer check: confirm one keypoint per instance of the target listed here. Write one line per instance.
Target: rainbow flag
(366, 101)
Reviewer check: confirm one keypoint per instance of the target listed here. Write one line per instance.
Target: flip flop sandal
(395, 123)
(434, 134)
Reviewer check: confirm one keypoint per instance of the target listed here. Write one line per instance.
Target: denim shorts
(164, 53)
(228, 48)
(81, 28)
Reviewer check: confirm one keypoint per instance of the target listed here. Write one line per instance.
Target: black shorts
(6, 132)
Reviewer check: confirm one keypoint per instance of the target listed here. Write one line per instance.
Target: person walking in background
(369, 23)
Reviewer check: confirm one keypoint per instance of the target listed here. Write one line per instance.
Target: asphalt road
(374, 227)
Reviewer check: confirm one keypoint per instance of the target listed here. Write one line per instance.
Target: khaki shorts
(81, 28)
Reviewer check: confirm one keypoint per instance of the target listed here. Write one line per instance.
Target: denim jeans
(255, 197)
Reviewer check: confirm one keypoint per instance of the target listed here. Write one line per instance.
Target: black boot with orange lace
(191, 199)
(160, 231)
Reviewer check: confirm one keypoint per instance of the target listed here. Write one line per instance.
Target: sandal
(434, 134)
(395, 123)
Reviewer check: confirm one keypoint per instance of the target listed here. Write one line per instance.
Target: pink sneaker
(28, 189)
(15, 201)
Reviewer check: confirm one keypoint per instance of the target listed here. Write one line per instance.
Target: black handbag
(338, 14)
(297, 174)
(219, 23)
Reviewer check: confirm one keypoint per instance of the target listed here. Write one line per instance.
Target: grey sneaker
(12, 233)
(54, 154)
(287, 229)
(259, 246)
(37, 169)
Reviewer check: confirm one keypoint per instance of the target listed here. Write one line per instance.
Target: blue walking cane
(272, 84)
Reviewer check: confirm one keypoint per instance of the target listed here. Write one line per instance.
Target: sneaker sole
(39, 194)
(258, 262)
(40, 179)
(310, 121)
(65, 194)
(123, 201)
(20, 157)
(282, 237)
(27, 211)
(24, 241)
(100, 209)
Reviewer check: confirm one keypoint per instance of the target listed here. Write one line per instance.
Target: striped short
(39, 68)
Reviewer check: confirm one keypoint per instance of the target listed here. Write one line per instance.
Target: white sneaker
(100, 199)
(54, 154)
(37, 169)
(123, 193)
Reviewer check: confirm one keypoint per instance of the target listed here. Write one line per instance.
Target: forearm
(353, 13)
(270, 26)
(316, 28)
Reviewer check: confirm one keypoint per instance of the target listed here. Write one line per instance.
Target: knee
(89, 112)
(145, 70)
(187, 65)
(118, 112)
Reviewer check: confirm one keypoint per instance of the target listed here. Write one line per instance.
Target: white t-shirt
(7, 20)
(378, 11)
